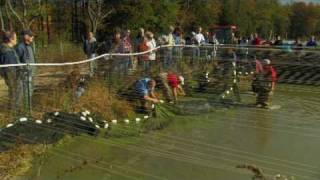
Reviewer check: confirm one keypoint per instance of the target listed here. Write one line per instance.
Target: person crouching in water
(145, 93)
(266, 84)
(175, 83)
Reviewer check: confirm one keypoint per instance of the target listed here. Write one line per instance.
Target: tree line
(71, 19)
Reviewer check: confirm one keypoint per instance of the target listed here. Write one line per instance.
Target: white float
(49, 120)
(106, 125)
(146, 117)
(38, 121)
(23, 119)
(97, 126)
(84, 113)
(127, 121)
(87, 112)
(56, 114)
(9, 125)
(228, 92)
(83, 118)
(90, 119)
(138, 120)
(161, 101)
(114, 121)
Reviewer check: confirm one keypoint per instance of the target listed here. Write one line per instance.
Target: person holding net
(144, 90)
(175, 83)
(266, 81)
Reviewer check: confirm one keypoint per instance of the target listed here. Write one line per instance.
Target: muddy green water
(207, 146)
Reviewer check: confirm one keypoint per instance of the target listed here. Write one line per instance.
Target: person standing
(256, 76)
(143, 47)
(139, 38)
(312, 42)
(26, 55)
(199, 37)
(170, 42)
(11, 75)
(257, 41)
(126, 47)
(151, 43)
(278, 41)
(90, 49)
(266, 85)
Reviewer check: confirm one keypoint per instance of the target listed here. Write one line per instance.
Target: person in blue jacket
(11, 75)
(145, 92)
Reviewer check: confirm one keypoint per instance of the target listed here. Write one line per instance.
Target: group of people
(170, 84)
(255, 40)
(19, 79)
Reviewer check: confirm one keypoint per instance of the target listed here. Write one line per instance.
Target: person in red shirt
(175, 83)
(266, 86)
(143, 47)
(256, 41)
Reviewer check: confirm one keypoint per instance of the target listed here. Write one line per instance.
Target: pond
(205, 146)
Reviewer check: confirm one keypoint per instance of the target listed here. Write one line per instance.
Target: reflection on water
(206, 144)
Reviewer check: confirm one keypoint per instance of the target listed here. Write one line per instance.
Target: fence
(58, 86)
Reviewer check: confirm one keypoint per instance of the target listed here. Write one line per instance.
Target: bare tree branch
(8, 2)
(107, 14)
(97, 13)
(24, 6)
(2, 21)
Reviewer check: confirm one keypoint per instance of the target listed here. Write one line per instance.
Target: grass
(99, 100)
(18, 160)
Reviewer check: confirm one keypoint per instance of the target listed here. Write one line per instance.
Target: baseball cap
(266, 61)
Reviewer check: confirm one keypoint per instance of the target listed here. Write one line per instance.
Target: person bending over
(145, 92)
(175, 83)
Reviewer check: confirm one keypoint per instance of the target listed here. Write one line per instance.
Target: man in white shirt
(199, 37)
(151, 43)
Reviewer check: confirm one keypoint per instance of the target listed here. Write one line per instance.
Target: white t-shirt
(151, 45)
(199, 38)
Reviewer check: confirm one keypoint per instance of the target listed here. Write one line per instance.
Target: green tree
(304, 19)
(203, 13)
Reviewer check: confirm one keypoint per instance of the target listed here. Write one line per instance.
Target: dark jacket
(90, 47)
(8, 55)
(23, 53)
(312, 43)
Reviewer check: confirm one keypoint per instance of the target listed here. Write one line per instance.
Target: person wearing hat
(175, 81)
(266, 85)
(26, 54)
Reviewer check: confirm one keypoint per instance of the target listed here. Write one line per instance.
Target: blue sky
(315, 1)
